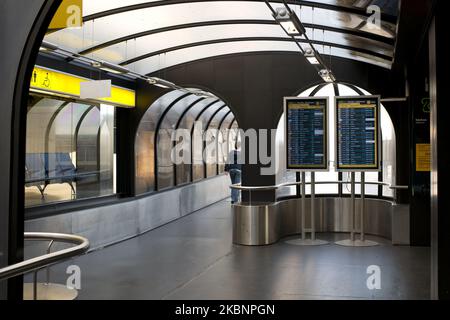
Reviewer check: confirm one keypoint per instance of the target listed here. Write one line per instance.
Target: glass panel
(173, 58)
(223, 141)
(165, 144)
(64, 159)
(113, 27)
(389, 152)
(119, 25)
(332, 175)
(137, 47)
(215, 142)
(198, 140)
(389, 7)
(283, 176)
(187, 123)
(145, 140)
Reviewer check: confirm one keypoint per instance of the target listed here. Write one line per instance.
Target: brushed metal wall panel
(263, 225)
(111, 224)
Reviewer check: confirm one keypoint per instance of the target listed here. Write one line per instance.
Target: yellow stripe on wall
(55, 82)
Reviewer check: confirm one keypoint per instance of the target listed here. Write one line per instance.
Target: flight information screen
(357, 133)
(306, 133)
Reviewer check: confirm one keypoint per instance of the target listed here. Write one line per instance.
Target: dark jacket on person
(234, 161)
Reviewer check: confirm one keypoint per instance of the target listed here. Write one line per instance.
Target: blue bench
(43, 169)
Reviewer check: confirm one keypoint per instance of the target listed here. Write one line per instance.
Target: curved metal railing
(49, 259)
(292, 184)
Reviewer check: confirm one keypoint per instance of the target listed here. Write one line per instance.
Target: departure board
(357, 124)
(306, 134)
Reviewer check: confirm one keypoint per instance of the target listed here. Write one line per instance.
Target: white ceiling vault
(147, 36)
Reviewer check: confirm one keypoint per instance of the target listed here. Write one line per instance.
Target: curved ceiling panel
(173, 58)
(160, 43)
(124, 31)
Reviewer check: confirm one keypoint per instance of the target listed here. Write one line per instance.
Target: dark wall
(418, 78)
(440, 133)
(20, 24)
(254, 84)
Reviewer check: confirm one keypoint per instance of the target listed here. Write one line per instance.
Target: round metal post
(304, 241)
(313, 206)
(49, 250)
(352, 242)
(353, 206)
(303, 212)
(363, 205)
(35, 285)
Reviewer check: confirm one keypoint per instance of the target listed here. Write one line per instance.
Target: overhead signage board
(306, 133)
(358, 133)
(56, 83)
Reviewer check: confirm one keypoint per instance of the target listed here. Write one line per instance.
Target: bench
(43, 169)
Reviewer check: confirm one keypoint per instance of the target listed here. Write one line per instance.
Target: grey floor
(194, 258)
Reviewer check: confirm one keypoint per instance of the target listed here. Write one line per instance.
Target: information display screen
(306, 134)
(358, 128)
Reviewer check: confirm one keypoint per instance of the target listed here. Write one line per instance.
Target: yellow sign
(423, 157)
(69, 15)
(54, 82)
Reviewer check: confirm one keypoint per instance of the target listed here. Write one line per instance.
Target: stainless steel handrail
(292, 184)
(47, 260)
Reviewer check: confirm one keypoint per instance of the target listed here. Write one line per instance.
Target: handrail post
(304, 241)
(49, 249)
(313, 206)
(363, 205)
(352, 242)
(353, 205)
(35, 285)
(303, 213)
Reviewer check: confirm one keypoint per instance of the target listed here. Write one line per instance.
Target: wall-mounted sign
(68, 15)
(423, 157)
(358, 133)
(95, 89)
(306, 133)
(53, 82)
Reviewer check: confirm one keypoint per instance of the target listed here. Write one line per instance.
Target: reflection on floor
(193, 258)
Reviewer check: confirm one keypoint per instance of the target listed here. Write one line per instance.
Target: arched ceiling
(147, 36)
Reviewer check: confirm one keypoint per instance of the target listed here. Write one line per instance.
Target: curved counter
(265, 224)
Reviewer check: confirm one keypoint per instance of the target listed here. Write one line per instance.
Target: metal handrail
(47, 260)
(292, 184)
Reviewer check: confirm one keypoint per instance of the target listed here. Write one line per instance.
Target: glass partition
(186, 123)
(215, 141)
(166, 171)
(145, 142)
(69, 151)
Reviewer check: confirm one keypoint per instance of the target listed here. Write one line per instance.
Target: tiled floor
(194, 258)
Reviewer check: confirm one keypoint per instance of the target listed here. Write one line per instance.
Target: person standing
(234, 169)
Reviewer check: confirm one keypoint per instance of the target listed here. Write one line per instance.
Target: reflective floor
(193, 258)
